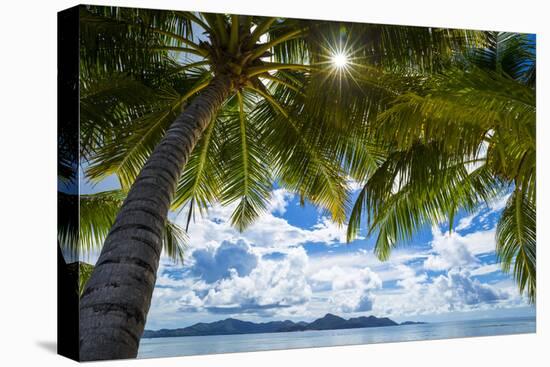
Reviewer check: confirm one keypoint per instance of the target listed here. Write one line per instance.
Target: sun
(340, 60)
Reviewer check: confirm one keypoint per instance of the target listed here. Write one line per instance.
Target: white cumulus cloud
(454, 291)
(268, 231)
(452, 250)
(270, 286)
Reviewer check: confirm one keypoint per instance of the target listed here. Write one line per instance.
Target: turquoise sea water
(195, 345)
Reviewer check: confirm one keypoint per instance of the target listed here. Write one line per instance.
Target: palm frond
(81, 270)
(419, 186)
(126, 155)
(174, 242)
(109, 102)
(301, 164)
(200, 183)
(97, 213)
(246, 167)
(510, 54)
(516, 241)
(129, 40)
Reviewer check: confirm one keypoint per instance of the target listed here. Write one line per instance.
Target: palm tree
(457, 140)
(235, 109)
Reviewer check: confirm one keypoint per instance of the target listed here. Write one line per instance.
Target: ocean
(197, 345)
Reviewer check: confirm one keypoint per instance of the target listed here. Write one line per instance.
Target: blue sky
(294, 263)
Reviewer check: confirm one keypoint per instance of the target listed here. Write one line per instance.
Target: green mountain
(234, 326)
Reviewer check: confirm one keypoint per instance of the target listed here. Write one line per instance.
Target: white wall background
(28, 182)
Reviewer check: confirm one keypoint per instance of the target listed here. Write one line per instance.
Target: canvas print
(233, 183)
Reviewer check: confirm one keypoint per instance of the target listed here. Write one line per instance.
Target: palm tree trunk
(115, 302)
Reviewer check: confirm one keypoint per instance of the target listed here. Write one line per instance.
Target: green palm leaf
(419, 186)
(301, 163)
(246, 167)
(130, 40)
(126, 155)
(201, 180)
(516, 241)
(479, 114)
(97, 212)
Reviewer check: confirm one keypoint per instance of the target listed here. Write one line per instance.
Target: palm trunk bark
(115, 302)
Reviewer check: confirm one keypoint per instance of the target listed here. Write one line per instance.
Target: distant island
(413, 323)
(233, 326)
